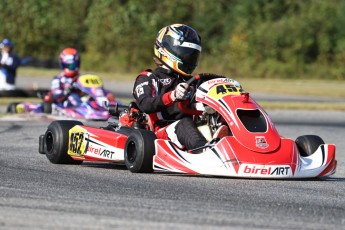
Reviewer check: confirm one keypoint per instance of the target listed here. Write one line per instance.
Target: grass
(316, 88)
(291, 105)
(8, 100)
(310, 88)
(319, 88)
(49, 73)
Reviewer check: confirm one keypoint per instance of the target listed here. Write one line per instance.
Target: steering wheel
(185, 106)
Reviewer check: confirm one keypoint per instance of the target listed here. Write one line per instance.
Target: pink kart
(92, 97)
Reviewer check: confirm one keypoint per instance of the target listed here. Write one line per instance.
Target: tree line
(242, 38)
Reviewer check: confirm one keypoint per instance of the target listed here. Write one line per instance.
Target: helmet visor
(70, 66)
(190, 61)
(187, 53)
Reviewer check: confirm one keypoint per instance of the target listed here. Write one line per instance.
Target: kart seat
(221, 132)
(205, 130)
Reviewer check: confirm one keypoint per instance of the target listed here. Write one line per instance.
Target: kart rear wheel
(55, 142)
(47, 107)
(308, 144)
(139, 151)
(12, 107)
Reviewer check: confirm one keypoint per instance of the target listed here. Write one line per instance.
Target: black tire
(139, 151)
(308, 144)
(47, 107)
(11, 108)
(56, 142)
(125, 130)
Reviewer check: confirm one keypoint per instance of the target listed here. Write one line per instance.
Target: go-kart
(250, 147)
(92, 96)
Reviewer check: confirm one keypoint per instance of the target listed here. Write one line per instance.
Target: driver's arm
(57, 92)
(147, 95)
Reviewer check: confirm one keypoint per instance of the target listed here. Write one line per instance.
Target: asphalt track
(35, 194)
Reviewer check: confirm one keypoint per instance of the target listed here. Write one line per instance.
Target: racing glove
(67, 91)
(180, 93)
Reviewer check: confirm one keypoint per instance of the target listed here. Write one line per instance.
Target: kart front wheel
(139, 151)
(308, 144)
(55, 142)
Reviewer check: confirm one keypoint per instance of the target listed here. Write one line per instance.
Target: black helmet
(178, 46)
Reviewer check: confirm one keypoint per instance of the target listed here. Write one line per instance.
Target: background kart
(250, 145)
(93, 95)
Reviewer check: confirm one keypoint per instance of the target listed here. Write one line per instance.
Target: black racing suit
(152, 90)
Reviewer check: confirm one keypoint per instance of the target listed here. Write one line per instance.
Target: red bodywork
(255, 148)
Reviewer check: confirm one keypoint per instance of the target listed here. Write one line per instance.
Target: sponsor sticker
(260, 142)
(265, 170)
(97, 150)
(139, 90)
(165, 81)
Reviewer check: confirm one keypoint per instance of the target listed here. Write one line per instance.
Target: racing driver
(176, 53)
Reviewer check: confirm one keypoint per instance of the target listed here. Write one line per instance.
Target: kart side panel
(229, 158)
(93, 144)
